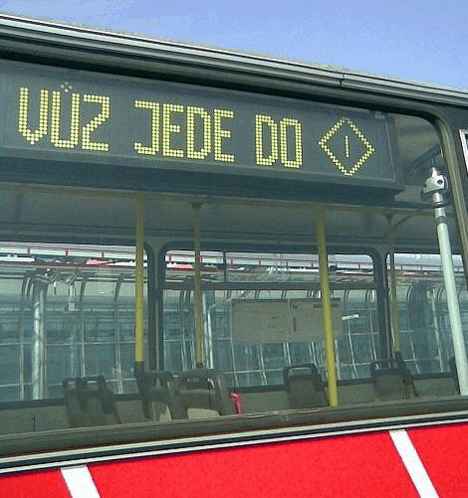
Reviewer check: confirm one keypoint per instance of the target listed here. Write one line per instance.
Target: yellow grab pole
(139, 285)
(393, 288)
(326, 309)
(197, 289)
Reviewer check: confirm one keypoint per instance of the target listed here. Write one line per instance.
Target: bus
(226, 274)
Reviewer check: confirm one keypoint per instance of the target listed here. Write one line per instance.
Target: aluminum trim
(22, 30)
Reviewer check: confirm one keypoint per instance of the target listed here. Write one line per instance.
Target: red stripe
(33, 485)
(352, 466)
(444, 453)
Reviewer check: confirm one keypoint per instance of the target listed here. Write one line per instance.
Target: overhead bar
(423, 210)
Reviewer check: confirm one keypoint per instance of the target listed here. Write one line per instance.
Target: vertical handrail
(139, 285)
(22, 362)
(117, 344)
(184, 296)
(436, 189)
(207, 334)
(326, 309)
(435, 324)
(393, 288)
(197, 288)
(38, 354)
(370, 321)
(452, 300)
(82, 366)
(349, 335)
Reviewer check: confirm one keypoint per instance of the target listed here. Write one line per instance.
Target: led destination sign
(70, 115)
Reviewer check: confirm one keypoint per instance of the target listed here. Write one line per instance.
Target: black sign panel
(61, 114)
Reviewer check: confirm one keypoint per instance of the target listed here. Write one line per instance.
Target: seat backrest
(205, 389)
(159, 393)
(304, 386)
(392, 380)
(89, 402)
(454, 372)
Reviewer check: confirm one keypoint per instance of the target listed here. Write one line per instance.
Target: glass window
(266, 314)
(423, 317)
(66, 311)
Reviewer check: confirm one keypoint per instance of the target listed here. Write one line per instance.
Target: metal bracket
(436, 189)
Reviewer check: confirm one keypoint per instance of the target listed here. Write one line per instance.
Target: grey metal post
(436, 189)
(39, 341)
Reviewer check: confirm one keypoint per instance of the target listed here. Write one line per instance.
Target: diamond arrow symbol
(325, 141)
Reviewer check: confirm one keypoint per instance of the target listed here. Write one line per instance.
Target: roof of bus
(20, 30)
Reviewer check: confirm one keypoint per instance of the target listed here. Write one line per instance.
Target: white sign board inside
(266, 321)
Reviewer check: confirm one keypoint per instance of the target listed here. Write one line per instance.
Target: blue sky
(413, 39)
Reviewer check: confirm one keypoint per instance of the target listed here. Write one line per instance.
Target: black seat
(304, 386)
(454, 372)
(206, 389)
(89, 402)
(158, 391)
(392, 380)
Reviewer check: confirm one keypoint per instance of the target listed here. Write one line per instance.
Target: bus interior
(233, 303)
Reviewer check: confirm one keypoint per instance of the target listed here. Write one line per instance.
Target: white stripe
(80, 482)
(413, 464)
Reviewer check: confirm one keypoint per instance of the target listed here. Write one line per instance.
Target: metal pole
(436, 187)
(197, 289)
(117, 345)
(83, 327)
(452, 300)
(24, 288)
(326, 310)
(139, 286)
(39, 341)
(435, 324)
(393, 289)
